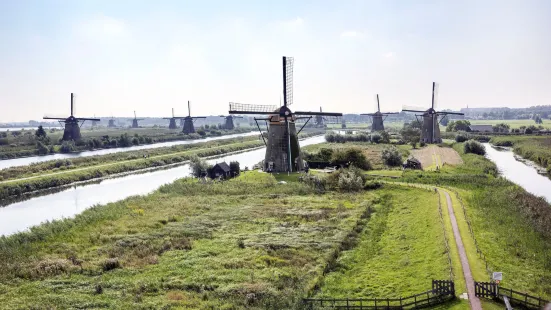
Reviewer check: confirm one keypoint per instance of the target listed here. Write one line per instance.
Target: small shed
(412, 163)
(481, 128)
(220, 170)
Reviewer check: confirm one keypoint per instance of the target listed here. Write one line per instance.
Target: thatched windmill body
(72, 123)
(378, 117)
(319, 121)
(282, 146)
(135, 121)
(188, 121)
(430, 128)
(172, 120)
(228, 121)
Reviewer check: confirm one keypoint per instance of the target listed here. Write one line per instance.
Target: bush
(351, 156)
(42, 149)
(234, 168)
(67, 147)
(391, 156)
(350, 180)
(528, 131)
(370, 185)
(199, 167)
(474, 147)
(422, 144)
(376, 137)
(460, 138)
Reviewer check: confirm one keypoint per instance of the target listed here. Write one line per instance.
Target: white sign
(497, 276)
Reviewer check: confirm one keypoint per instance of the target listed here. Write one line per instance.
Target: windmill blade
(407, 108)
(368, 114)
(377, 104)
(195, 117)
(317, 113)
(435, 87)
(242, 108)
(288, 63)
(389, 113)
(87, 119)
(56, 118)
(452, 113)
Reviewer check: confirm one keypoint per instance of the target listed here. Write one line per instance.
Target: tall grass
(534, 148)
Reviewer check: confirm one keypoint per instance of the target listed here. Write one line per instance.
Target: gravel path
(473, 300)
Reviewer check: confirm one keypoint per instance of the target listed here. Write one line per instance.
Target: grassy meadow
(232, 245)
(514, 123)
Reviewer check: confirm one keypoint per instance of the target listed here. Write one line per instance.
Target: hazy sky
(118, 56)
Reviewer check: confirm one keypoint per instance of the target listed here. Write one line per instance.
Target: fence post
(401, 302)
(347, 305)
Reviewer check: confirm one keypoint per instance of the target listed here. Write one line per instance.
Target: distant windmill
(188, 121)
(135, 121)
(172, 123)
(228, 124)
(430, 130)
(320, 121)
(95, 123)
(112, 123)
(72, 124)
(378, 117)
(282, 149)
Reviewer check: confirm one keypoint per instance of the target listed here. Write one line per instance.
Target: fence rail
(494, 291)
(442, 291)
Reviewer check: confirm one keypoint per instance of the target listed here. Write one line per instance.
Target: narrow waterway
(519, 172)
(7, 163)
(68, 203)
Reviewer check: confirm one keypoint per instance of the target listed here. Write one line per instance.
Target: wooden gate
(485, 289)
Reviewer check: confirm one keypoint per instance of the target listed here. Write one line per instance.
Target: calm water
(36, 159)
(22, 215)
(519, 172)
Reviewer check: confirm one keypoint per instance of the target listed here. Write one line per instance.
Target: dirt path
(473, 300)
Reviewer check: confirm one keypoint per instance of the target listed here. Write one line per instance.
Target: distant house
(220, 170)
(412, 163)
(481, 128)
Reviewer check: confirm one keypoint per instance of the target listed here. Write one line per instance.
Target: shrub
(422, 144)
(460, 138)
(350, 180)
(351, 156)
(110, 264)
(528, 131)
(474, 147)
(370, 185)
(234, 168)
(376, 137)
(42, 149)
(199, 167)
(391, 156)
(67, 147)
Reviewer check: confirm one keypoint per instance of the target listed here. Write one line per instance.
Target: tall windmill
(430, 129)
(172, 122)
(282, 147)
(72, 123)
(188, 121)
(135, 121)
(228, 124)
(378, 117)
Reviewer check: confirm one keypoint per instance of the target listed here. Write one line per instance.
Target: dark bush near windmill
(474, 147)
(347, 180)
(391, 156)
(350, 157)
(376, 137)
(460, 138)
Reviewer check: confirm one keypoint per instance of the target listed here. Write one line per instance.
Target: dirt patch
(433, 156)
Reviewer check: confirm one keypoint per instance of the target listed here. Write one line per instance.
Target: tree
(410, 133)
(199, 167)
(501, 127)
(234, 168)
(376, 137)
(391, 156)
(459, 125)
(460, 138)
(538, 120)
(42, 149)
(352, 156)
(475, 147)
(40, 132)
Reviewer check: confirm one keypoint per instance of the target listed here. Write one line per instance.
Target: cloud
(292, 24)
(351, 34)
(388, 55)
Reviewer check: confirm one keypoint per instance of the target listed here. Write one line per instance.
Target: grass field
(433, 156)
(232, 245)
(399, 252)
(514, 123)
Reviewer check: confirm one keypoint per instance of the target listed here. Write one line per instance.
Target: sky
(120, 56)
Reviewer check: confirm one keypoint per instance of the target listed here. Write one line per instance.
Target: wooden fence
(441, 292)
(494, 291)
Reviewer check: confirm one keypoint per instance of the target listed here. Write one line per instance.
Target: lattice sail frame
(288, 63)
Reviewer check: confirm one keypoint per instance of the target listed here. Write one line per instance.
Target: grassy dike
(510, 225)
(232, 245)
(101, 166)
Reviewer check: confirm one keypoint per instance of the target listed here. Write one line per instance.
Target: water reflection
(72, 201)
(519, 172)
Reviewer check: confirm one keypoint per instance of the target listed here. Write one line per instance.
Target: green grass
(399, 252)
(514, 123)
(231, 245)
(387, 173)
